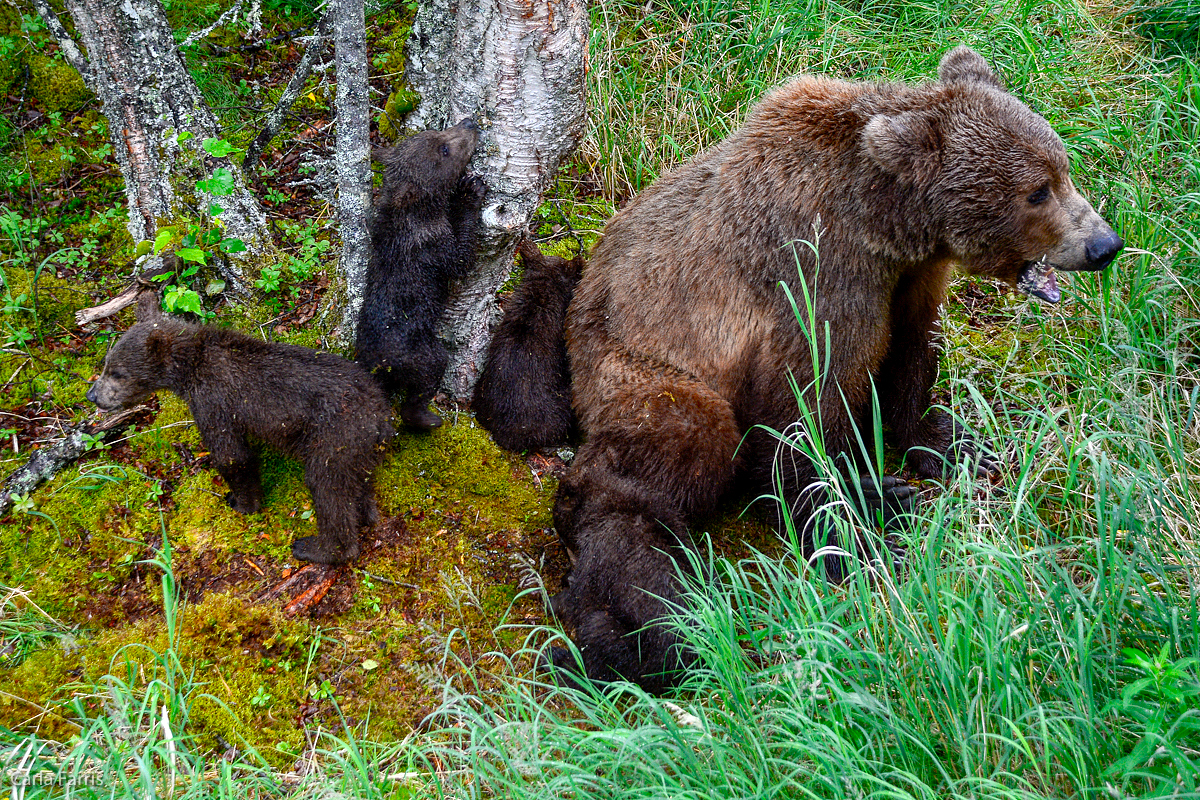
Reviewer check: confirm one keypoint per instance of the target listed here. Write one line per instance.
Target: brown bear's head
(997, 177)
(138, 365)
(428, 164)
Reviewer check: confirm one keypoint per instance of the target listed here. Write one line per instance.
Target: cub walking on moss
(318, 407)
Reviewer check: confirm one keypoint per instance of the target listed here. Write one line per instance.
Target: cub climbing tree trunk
(518, 67)
(157, 118)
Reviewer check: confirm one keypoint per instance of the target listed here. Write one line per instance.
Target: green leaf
(162, 238)
(183, 136)
(218, 147)
(219, 185)
(142, 249)
(192, 254)
(180, 299)
(370, 664)
(232, 245)
(214, 210)
(215, 286)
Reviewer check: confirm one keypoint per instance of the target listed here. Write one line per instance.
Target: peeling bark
(353, 155)
(134, 66)
(518, 67)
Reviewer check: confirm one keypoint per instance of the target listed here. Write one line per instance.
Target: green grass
(1043, 637)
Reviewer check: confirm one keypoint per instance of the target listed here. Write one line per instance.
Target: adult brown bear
(681, 339)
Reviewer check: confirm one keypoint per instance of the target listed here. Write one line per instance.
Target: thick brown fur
(318, 407)
(681, 340)
(423, 235)
(523, 395)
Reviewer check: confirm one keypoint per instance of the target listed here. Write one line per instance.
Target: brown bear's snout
(91, 395)
(1102, 249)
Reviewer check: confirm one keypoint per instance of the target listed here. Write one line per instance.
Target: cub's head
(429, 163)
(139, 363)
(997, 176)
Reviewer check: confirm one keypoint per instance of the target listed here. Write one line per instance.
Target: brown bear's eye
(445, 150)
(1041, 195)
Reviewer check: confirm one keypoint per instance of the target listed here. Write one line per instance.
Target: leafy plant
(198, 241)
(1164, 707)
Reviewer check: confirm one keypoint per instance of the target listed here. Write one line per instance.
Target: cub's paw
(562, 667)
(322, 550)
(472, 187)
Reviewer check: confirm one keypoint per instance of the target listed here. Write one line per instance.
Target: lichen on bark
(158, 119)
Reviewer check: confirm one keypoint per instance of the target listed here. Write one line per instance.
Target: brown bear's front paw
(473, 188)
(322, 550)
(888, 503)
(243, 505)
(965, 450)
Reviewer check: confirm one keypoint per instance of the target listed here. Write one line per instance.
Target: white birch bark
(518, 67)
(353, 155)
(134, 66)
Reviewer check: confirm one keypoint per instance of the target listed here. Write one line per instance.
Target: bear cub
(318, 407)
(523, 396)
(422, 237)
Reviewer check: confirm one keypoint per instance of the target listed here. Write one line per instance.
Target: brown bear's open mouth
(1037, 279)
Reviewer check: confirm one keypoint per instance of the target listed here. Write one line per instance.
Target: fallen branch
(295, 86)
(141, 282)
(49, 461)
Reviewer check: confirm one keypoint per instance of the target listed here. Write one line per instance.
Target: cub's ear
(158, 345)
(962, 65)
(148, 305)
(908, 144)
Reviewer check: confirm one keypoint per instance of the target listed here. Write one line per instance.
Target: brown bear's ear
(158, 345)
(908, 144)
(148, 305)
(962, 65)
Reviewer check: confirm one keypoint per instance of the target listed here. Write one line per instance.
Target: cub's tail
(523, 396)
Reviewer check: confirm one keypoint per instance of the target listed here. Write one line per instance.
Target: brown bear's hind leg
(664, 454)
(338, 501)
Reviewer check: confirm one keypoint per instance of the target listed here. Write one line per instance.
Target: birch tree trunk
(353, 156)
(134, 66)
(518, 67)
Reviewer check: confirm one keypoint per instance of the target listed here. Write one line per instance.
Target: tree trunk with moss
(157, 119)
(353, 156)
(518, 67)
